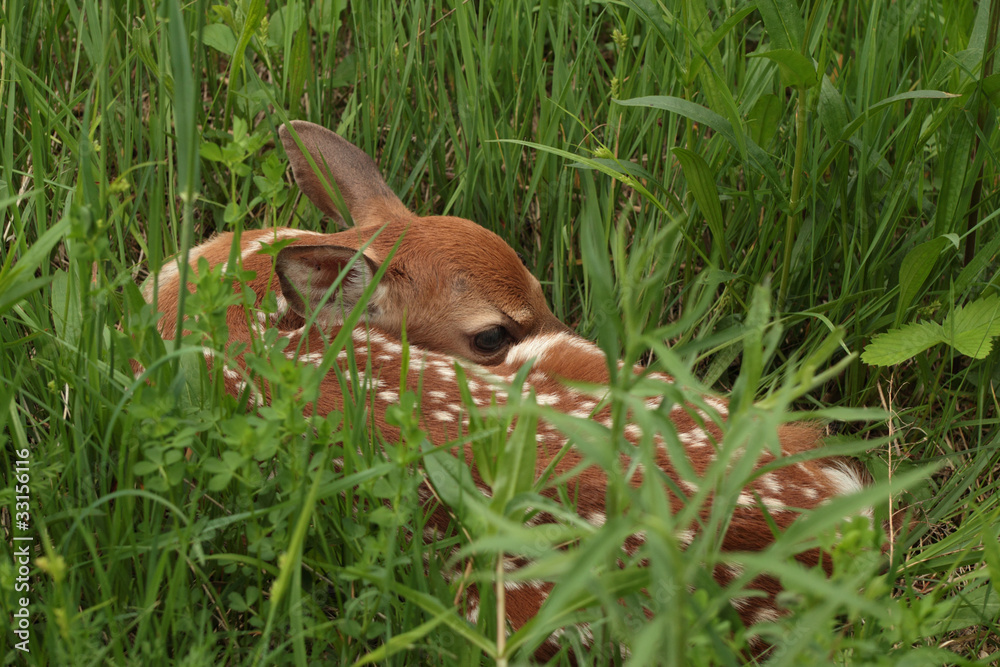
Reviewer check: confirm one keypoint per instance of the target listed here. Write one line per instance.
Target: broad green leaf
(67, 315)
(701, 182)
(972, 328)
(957, 160)
(914, 270)
(285, 22)
(783, 22)
(797, 70)
(978, 607)
(210, 151)
(517, 466)
(832, 110)
(346, 73)
(765, 118)
(975, 343)
(897, 345)
(219, 37)
(991, 88)
(324, 15)
(980, 27)
(453, 483)
(969, 329)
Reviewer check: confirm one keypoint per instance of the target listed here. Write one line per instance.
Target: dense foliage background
(794, 202)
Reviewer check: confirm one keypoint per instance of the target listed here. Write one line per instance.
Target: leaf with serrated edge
(970, 329)
(898, 345)
(984, 312)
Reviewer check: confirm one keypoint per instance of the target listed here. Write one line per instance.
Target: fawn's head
(460, 288)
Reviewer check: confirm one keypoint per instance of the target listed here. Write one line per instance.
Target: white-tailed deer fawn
(466, 298)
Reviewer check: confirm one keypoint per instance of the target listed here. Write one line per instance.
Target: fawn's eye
(491, 340)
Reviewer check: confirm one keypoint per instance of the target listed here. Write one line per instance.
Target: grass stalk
(794, 201)
(982, 119)
(501, 613)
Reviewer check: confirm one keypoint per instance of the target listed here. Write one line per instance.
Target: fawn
(466, 298)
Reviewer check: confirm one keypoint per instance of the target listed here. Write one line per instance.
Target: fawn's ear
(307, 272)
(341, 166)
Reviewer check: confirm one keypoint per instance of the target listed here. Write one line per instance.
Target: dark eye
(491, 340)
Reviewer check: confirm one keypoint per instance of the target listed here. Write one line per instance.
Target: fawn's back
(466, 299)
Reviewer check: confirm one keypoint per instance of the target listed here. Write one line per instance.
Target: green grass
(753, 221)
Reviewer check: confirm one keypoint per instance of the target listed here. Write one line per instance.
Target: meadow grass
(745, 195)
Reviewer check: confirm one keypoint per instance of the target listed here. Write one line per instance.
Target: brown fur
(449, 279)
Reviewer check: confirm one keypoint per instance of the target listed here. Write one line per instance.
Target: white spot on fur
(770, 483)
(169, 273)
(846, 479)
(533, 348)
(766, 614)
(717, 405)
(389, 347)
(314, 358)
(547, 399)
(696, 437)
(281, 304)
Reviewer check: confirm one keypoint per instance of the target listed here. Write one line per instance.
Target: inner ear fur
(341, 166)
(307, 272)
